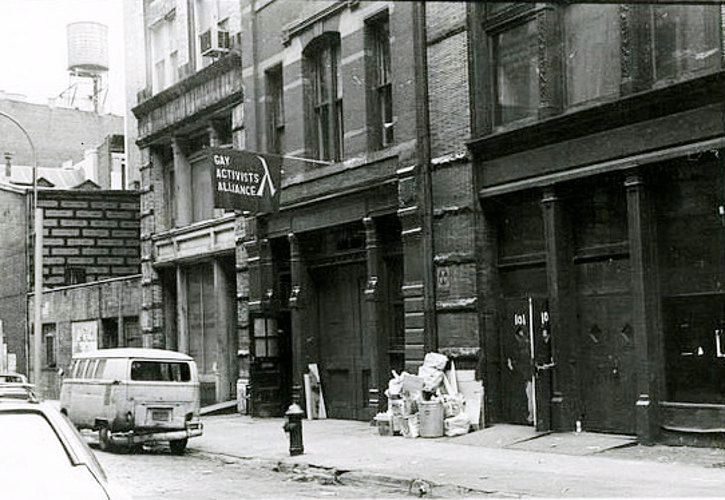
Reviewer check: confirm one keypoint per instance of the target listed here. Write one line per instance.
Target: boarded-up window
(202, 316)
(202, 199)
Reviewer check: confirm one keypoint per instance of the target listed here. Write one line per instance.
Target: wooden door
(271, 365)
(543, 362)
(526, 362)
(343, 347)
(606, 346)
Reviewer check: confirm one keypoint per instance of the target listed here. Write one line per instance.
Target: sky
(34, 47)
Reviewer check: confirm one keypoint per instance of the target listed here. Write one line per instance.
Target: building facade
(597, 138)
(190, 99)
(534, 190)
(59, 134)
(89, 236)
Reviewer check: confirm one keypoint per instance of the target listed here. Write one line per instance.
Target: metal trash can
(431, 418)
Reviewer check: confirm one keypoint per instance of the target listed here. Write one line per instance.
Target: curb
(302, 471)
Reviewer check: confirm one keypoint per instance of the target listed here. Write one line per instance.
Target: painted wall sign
(244, 180)
(84, 336)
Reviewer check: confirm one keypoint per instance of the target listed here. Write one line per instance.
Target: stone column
(150, 300)
(373, 320)
(182, 325)
(413, 274)
(646, 318)
(565, 381)
(298, 311)
(223, 313)
(182, 185)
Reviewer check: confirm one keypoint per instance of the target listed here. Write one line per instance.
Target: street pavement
(502, 461)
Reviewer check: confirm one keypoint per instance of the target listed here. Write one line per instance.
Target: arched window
(323, 98)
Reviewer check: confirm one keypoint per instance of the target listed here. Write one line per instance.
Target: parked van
(133, 396)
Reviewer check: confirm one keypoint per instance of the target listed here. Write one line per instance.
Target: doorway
(344, 349)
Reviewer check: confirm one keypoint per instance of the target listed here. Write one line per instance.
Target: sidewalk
(500, 461)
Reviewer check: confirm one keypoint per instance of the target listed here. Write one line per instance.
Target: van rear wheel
(178, 446)
(104, 439)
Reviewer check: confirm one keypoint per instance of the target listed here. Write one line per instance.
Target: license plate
(160, 415)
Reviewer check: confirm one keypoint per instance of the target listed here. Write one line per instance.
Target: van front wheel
(104, 439)
(178, 446)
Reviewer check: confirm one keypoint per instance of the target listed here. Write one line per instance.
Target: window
(380, 87)
(325, 123)
(275, 109)
(75, 275)
(517, 81)
(110, 333)
(163, 52)
(132, 332)
(686, 40)
(592, 48)
(49, 336)
(202, 201)
(266, 338)
(89, 369)
(160, 371)
(100, 368)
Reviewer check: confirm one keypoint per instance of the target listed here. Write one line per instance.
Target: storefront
(616, 237)
(331, 296)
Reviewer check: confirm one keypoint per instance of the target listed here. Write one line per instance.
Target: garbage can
(431, 418)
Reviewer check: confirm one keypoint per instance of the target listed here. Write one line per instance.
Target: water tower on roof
(87, 64)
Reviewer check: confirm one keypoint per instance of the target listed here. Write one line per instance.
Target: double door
(526, 362)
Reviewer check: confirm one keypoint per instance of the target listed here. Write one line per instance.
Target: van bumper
(193, 429)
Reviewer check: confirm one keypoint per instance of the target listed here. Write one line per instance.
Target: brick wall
(13, 275)
(118, 299)
(448, 92)
(59, 134)
(98, 232)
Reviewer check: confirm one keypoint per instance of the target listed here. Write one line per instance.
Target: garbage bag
(435, 360)
(457, 426)
(432, 378)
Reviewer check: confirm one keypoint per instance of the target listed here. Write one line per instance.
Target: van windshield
(160, 371)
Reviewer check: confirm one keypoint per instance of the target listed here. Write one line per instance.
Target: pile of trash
(430, 403)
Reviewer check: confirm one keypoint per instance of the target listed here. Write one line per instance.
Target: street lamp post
(38, 262)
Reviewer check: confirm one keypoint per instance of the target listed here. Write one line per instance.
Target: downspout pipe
(423, 152)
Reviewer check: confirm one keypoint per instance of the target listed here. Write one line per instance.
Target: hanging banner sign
(244, 180)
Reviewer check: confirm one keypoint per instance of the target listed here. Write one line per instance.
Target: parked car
(43, 456)
(11, 390)
(12, 378)
(133, 396)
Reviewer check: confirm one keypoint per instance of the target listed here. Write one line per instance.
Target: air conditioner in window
(214, 42)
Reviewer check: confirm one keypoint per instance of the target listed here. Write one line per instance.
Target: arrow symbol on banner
(267, 179)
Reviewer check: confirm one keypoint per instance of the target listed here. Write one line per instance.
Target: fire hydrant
(293, 426)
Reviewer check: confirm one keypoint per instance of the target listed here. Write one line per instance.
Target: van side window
(160, 371)
(90, 367)
(99, 368)
(80, 368)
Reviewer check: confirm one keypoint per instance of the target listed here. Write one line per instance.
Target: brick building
(60, 134)
(470, 178)
(187, 96)
(597, 136)
(89, 237)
